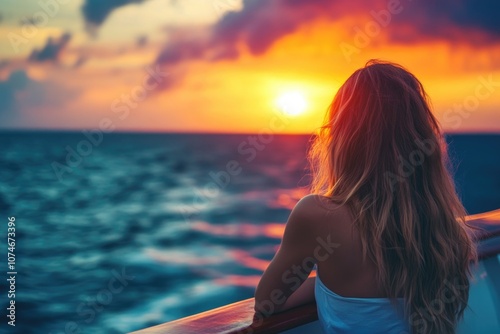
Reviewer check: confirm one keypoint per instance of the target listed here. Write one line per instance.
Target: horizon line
(188, 132)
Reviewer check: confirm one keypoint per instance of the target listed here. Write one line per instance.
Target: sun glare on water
(292, 103)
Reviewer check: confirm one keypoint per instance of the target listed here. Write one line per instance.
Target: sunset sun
(292, 103)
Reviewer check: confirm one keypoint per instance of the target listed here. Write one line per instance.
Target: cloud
(258, 25)
(466, 21)
(30, 102)
(95, 12)
(16, 82)
(261, 23)
(482, 15)
(51, 50)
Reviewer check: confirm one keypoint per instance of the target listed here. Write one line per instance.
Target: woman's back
(344, 271)
(347, 295)
(386, 200)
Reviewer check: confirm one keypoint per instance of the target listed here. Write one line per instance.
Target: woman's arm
(303, 295)
(281, 286)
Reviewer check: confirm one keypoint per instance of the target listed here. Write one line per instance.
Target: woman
(384, 225)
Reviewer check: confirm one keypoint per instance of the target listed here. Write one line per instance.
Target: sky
(236, 66)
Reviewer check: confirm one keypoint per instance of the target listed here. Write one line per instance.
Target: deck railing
(237, 318)
(240, 317)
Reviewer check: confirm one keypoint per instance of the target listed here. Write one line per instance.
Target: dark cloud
(29, 102)
(469, 21)
(51, 50)
(181, 50)
(261, 23)
(95, 12)
(258, 25)
(483, 15)
(17, 81)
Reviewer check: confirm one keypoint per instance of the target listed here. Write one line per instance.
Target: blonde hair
(382, 153)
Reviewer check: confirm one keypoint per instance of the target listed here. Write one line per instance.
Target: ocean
(129, 230)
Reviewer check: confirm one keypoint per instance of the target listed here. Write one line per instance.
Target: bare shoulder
(313, 217)
(316, 211)
(318, 205)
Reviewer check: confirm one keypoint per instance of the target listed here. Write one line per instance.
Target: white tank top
(352, 315)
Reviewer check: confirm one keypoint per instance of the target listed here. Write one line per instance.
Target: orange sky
(222, 66)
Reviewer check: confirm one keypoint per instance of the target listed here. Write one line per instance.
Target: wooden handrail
(235, 318)
(240, 317)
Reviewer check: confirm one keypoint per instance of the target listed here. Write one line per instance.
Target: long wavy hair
(381, 152)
